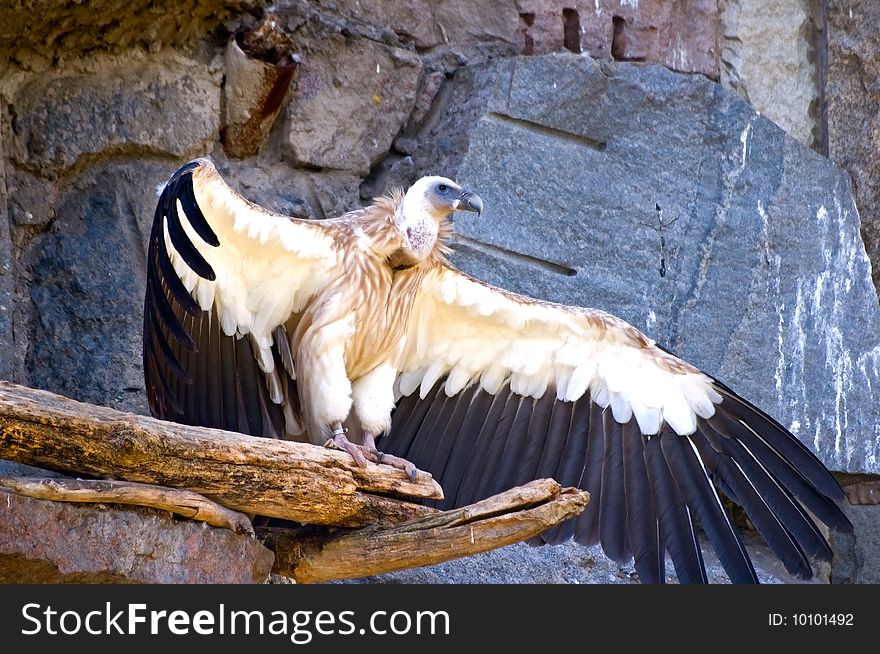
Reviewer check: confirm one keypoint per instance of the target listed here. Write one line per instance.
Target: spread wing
(225, 282)
(497, 389)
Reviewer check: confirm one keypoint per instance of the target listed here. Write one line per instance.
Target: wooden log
(180, 502)
(860, 488)
(503, 519)
(283, 479)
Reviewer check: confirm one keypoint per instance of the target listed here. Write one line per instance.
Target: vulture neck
(405, 233)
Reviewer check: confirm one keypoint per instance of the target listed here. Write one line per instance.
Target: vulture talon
(401, 464)
(357, 452)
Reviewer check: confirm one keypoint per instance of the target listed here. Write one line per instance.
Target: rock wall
(99, 103)
(768, 57)
(689, 215)
(852, 99)
(813, 67)
(95, 119)
(64, 542)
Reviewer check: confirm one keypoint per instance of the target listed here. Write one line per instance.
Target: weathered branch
(355, 531)
(184, 503)
(296, 481)
(509, 517)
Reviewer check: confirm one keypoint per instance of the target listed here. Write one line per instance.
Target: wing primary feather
(282, 345)
(784, 471)
(214, 396)
(676, 525)
(272, 417)
(193, 212)
(163, 403)
(538, 434)
(512, 456)
(488, 454)
(780, 439)
(242, 395)
(178, 174)
(702, 499)
(478, 434)
(165, 313)
(399, 441)
(612, 510)
(557, 433)
(463, 420)
(190, 362)
(156, 333)
(184, 246)
(783, 504)
(291, 397)
(435, 422)
(249, 387)
(642, 530)
(587, 524)
(762, 516)
(228, 381)
(509, 436)
(403, 409)
(572, 462)
(203, 385)
(169, 275)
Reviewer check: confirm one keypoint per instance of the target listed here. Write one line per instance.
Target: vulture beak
(468, 201)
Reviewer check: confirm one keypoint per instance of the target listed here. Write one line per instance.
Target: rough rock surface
(766, 57)
(60, 542)
(687, 214)
(46, 27)
(568, 563)
(350, 102)
(680, 35)
(61, 119)
(409, 20)
(855, 559)
(86, 279)
(7, 277)
(143, 81)
(852, 96)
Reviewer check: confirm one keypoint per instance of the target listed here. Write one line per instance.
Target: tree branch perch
(281, 479)
(355, 528)
(180, 502)
(503, 519)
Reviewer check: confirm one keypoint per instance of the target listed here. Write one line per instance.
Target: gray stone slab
(350, 100)
(757, 272)
(852, 107)
(83, 308)
(7, 276)
(62, 119)
(568, 563)
(62, 542)
(855, 560)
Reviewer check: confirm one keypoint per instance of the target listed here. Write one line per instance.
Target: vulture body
(279, 327)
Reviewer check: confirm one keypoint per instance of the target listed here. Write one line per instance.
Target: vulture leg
(369, 442)
(359, 453)
(368, 452)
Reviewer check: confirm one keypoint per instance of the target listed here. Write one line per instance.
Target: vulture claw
(359, 453)
(368, 452)
(401, 464)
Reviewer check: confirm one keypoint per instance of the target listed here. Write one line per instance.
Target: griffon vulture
(274, 326)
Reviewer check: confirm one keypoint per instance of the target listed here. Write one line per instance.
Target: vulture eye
(442, 189)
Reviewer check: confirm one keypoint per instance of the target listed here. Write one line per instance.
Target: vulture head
(427, 203)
